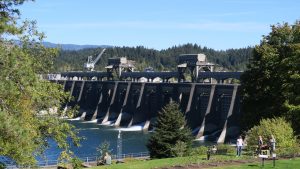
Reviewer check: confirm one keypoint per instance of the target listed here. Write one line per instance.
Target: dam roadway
(209, 109)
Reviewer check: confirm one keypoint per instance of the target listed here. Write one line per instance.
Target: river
(133, 140)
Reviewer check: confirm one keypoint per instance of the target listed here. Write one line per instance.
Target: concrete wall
(210, 109)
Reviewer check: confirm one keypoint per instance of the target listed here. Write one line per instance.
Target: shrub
(76, 163)
(278, 127)
(101, 150)
(179, 149)
(230, 149)
(289, 151)
(2, 166)
(201, 150)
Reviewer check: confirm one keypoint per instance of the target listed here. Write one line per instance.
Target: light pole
(119, 147)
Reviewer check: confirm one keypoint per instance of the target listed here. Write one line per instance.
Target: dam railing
(93, 159)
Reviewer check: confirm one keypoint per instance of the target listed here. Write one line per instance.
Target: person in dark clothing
(260, 144)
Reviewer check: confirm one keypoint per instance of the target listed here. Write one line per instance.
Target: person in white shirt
(239, 145)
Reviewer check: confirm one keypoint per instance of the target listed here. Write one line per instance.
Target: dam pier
(209, 103)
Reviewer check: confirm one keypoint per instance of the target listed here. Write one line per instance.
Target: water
(133, 139)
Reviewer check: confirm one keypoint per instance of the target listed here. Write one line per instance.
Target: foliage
(8, 16)
(160, 60)
(179, 149)
(102, 149)
(230, 149)
(24, 95)
(2, 166)
(76, 163)
(278, 127)
(293, 151)
(201, 150)
(271, 85)
(171, 137)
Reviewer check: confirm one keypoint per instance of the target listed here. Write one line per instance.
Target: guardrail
(94, 159)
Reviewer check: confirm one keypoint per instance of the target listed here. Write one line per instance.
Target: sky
(159, 24)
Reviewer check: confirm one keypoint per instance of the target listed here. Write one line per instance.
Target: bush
(102, 150)
(289, 151)
(64, 166)
(2, 166)
(76, 163)
(230, 149)
(280, 128)
(199, 150)
(179, 149)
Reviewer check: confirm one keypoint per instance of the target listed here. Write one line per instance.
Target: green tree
(231, 59)
(278, 127)
(271, 85)
(102, 149)
(8, 16)
(281, 130)
(171, 137)
(24, 129)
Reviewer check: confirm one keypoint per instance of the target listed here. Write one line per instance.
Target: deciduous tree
(271, 85)
(24, 130)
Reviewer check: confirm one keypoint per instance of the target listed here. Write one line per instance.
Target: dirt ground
(213, 164)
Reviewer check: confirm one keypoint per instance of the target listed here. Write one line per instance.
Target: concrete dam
(211, 106)
(210, 109)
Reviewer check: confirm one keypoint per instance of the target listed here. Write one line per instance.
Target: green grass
(147, 164)
(280, 164)
(167, 162)
(183, 161)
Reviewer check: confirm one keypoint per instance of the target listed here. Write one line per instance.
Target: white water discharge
(202, 138)
(108, 123)
(91, 121)
(75, 119)
(89, 129)
(95, 134)
(138, 127)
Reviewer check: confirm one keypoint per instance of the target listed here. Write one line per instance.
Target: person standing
(272, 142)
(239, 146)
(107, 159)
(259, 144)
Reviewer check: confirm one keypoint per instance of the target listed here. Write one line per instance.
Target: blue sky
(159, 24)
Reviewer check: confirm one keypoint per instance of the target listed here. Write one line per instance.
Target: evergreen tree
(270, 87)
(171, 137)
(232, 59)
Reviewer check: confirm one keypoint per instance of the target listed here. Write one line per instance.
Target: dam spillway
(209, 109)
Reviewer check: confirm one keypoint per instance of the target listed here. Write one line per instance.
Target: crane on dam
(90, 64)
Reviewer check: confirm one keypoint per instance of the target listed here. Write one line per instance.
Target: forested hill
(231, 59)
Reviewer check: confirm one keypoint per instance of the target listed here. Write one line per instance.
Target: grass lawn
(280, 164)
(183, 161)
(147, 164)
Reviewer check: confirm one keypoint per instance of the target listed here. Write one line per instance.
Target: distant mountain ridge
(73, 46)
